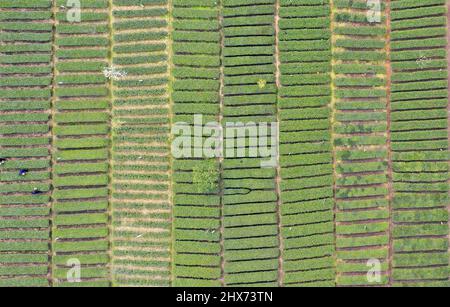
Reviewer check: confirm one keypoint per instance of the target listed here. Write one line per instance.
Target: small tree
(206, 177)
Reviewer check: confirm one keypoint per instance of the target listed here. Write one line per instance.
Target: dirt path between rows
(388, 114)
(448, 107)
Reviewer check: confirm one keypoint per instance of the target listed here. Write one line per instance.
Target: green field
(93, 100)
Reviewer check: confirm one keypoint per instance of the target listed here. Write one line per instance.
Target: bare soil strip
(448, 108)
(278, 170)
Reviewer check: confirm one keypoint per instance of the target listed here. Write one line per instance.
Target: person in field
(36, 191)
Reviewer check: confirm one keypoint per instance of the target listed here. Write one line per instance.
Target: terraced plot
(361, 143)
(419, 132)
(140, 200)
(25, 94)
(81, 146)
(195, 91)
(305, 143)
(97, 190)
(251, 247)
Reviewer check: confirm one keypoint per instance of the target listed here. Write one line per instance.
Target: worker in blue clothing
(36, 191)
